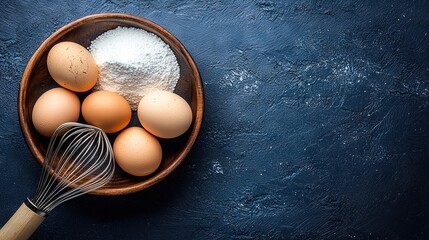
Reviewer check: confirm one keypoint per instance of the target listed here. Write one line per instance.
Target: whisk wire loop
(67, 168)
(79, 159)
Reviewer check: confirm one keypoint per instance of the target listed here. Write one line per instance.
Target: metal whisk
(79, 159)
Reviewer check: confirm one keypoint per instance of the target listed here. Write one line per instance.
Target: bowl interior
(36, 80)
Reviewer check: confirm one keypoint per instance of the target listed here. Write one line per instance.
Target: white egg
(164, 114)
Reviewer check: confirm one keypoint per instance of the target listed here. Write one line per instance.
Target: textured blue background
(316, 122)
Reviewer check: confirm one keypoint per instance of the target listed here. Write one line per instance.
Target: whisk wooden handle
(21, 225)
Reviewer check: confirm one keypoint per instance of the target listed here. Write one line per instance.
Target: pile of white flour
(134, 62)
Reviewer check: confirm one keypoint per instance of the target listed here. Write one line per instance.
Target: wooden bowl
(36, 80)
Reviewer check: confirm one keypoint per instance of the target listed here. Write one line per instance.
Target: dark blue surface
(316, 123)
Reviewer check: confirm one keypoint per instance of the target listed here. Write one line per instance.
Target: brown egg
(106, 110)
(72, 66)
(164, 114)
(54, 108)
(137, 152)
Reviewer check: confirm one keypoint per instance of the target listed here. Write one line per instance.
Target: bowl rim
(43, 47)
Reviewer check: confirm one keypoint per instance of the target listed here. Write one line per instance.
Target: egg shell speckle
(72, 66)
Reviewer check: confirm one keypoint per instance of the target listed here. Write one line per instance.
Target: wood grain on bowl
(36, 80)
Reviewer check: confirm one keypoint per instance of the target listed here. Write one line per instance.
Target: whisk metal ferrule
(35, 209)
